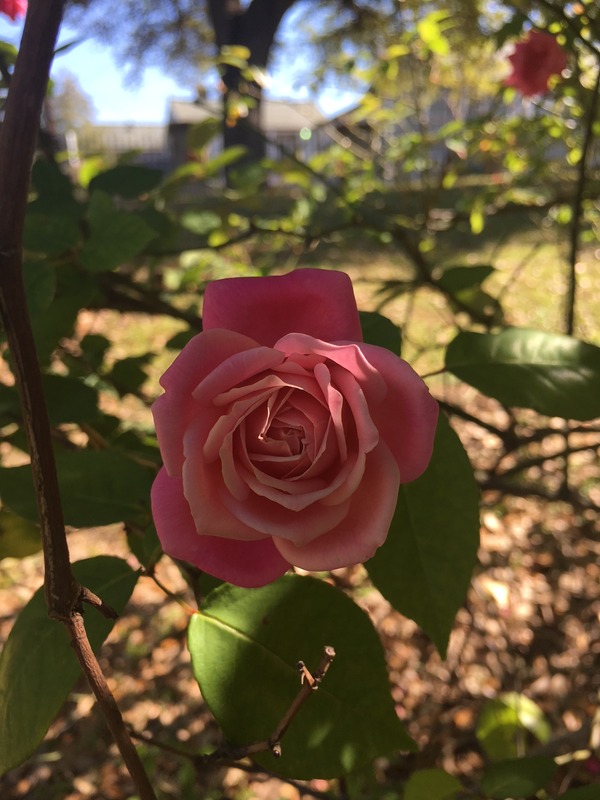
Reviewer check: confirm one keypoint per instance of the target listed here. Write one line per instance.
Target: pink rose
(13, 8)
(284, 436)
(534, 60)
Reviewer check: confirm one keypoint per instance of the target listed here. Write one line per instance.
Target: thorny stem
(18, 136)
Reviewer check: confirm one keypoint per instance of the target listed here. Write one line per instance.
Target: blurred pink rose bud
(284, 437)
(534, 61)
(13, 8)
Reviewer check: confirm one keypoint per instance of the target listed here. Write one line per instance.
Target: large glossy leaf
(245, 646)
(518, 777)
(37, 665)
(424, 567)
(67, 399)
(98, 487)
(550, 373)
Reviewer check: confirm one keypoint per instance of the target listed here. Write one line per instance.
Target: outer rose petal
(247, 564)
(407, 418)
(174, 410)
(365, 528)
(313, 301)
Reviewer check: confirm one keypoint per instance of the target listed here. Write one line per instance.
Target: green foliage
(425, 565)
(38, 667)
(519, 777)
(552, 374)
(116, 236)
(126, 180)
(19, 537)
(431, 784)
(263, 633)
(98, 488)
(505, 720)
(379, 330)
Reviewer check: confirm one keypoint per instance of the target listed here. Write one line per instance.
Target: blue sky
(116, 100)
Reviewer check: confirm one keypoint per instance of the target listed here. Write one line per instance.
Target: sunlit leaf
(504, 718)
(245, 646)
(553, 374)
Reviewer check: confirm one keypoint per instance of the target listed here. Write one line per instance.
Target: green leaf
(550, 373)
(431, 32)
(39, 278)
(503, 719)
(18, 537)
(199, 135)
(127, 375)
(38, 667)
(144, 544)
(518, 777)
(455, 279)
(245, 646)
(431, 784)
(67, 399)
(380, 331)
(582, 793)
(116, 236)
(98, 487)
(75, 290)
(424, 567)
(127, 180)
(200, 222)
(50, 234)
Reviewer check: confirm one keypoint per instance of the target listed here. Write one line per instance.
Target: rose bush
(284, 437)
(13, 8)
(534, 61)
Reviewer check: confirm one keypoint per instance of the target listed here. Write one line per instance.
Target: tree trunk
(253, 27)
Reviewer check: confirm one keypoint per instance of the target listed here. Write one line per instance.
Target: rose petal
(247, 564)
(174, 410)
(363, 530)
(203, 488)
(407, 418)
(313, 301)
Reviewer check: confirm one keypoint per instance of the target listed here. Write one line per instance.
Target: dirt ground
(530, 624)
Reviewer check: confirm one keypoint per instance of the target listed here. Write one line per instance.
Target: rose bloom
(13, 8)
(534, 61)
(284, 437)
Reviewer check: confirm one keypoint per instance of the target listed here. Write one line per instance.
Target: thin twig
(310, 683)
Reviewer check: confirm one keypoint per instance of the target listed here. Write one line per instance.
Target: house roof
(278, 116)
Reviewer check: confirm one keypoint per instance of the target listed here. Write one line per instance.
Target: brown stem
(18, 135)
(310, 683)
(109, 707)
(17, 146)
